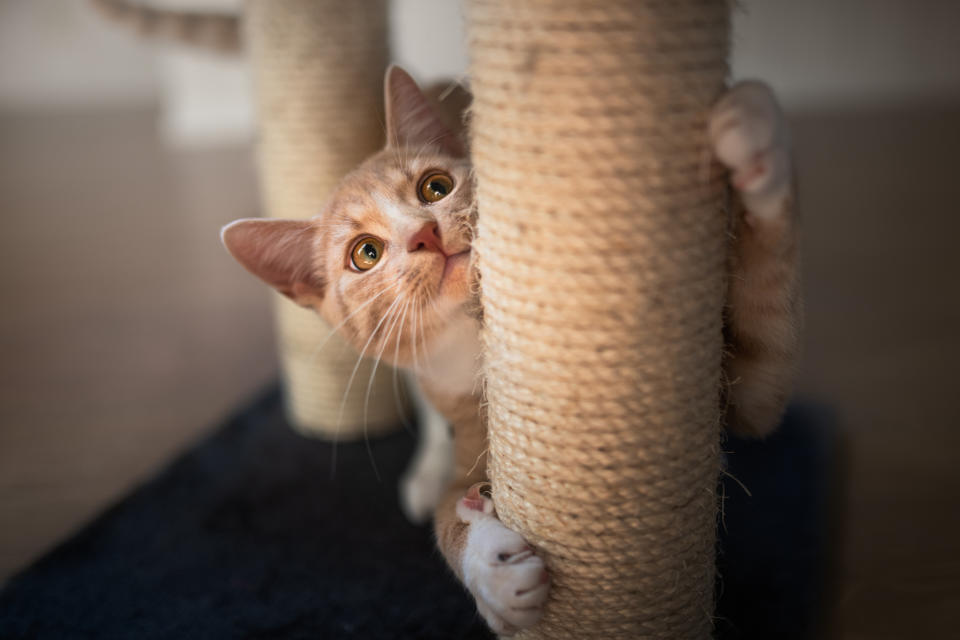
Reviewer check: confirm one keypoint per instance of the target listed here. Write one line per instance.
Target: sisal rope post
(601, 248)
(318, 78)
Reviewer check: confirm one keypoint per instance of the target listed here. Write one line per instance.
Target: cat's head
(387, 261)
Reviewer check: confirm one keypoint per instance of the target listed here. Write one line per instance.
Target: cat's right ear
(410, 118)
(282, 253)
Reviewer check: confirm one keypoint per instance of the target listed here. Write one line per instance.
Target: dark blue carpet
(249, 535)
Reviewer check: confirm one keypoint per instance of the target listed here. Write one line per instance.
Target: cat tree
(318, 77)
(601, 247)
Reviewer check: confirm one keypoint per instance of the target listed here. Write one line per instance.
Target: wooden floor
(126, 332)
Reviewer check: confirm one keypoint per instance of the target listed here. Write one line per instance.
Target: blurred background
(127, 332)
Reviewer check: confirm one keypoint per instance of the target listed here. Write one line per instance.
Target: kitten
(388, 263)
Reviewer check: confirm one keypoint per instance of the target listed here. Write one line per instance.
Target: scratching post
(318, 73)
(601, 247)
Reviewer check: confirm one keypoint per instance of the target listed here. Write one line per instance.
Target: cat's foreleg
(762, 325)
(506, 578)
(508, 581)
(428, 475)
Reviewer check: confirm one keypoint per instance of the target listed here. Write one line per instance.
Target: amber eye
(435, 186)
(366, 253)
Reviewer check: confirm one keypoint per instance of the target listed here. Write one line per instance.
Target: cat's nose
(428, 238)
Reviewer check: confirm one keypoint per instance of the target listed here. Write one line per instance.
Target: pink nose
(428, 237)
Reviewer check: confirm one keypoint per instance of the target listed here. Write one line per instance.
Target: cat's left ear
(282, 253)
(411, 119)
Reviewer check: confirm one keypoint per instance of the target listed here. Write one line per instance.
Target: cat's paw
(428, 476)
(749, 136)
(421, 489)
(508, 580)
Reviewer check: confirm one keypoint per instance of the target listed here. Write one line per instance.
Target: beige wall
(835, 53)
(56, 52)
(816, 53)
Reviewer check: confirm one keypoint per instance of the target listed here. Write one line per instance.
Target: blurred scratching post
(318, 72)
(602, 253)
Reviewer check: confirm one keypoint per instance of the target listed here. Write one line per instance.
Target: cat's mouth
(454, 279)
(455, 259)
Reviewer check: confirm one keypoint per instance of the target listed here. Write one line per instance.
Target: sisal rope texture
(318, 77)
(601, 248)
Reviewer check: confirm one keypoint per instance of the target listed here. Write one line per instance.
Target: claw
(476, 503)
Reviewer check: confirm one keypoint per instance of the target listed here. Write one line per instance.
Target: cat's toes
(745, 122)
(507, 578)
(496, 623)
(748, 134)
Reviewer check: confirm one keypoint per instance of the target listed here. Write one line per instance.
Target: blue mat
(250, 535)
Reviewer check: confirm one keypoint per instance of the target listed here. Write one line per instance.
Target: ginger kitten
(387, 261)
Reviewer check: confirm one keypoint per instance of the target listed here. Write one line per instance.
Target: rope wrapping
(601, 247)
(318, 74)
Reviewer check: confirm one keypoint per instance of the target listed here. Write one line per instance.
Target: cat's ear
(282, 253)
(411, 119)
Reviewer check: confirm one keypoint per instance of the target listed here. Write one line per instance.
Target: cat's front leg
(506, 578)
(503, 573)
(762, 322)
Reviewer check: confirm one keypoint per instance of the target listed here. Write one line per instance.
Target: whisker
(394, 311)
(396, 358)
(376, 362)
(456, 82)
(418, 327)
(346, 392)
(316, 353)
(323, 343)
(423, 336)
(413, 338)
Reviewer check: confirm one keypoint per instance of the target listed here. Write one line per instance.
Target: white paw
(428, 476)
(422, 487)
(749, 136)
(508, 580)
